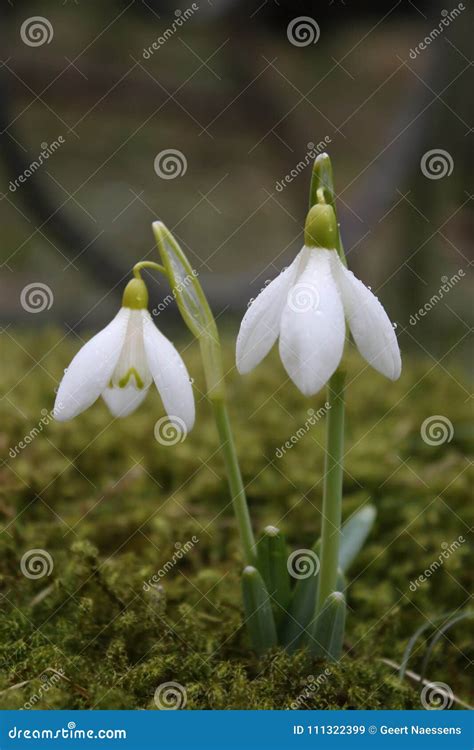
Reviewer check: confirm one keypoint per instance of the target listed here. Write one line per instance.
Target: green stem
(332, 493)
(147, 264)
(236, 485)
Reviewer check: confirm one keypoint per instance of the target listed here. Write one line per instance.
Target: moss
(129, 605)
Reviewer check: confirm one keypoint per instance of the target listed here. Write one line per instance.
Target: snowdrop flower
(122, 361)
(307, 307)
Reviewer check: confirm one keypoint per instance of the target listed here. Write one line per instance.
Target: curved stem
(147, 264)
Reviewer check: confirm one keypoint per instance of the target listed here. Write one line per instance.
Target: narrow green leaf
(272, 558)
(301, 607)
(328, 629)
(440, 633)
(353, 535)
(258, 611)
(193, 305)
(411, 643)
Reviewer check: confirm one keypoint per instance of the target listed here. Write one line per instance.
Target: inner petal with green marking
(132, 367)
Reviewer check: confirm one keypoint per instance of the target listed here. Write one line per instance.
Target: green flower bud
(135, 295)
(321, 227)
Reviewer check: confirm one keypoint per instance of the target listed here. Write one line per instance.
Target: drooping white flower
(307, 307)
(121, 362)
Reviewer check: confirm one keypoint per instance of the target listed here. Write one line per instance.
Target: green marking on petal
(131, 372)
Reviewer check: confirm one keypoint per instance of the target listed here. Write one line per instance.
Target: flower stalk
(198, 316)
(322, 194)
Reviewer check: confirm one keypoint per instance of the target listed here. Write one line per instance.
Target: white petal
(261, 323)
(91, 369)
(123, 401)
(312, 326)
(369, 323)
(170, 375)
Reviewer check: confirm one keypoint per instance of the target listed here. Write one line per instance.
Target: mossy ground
(111, 506)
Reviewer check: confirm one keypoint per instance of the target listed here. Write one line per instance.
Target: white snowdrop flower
(307, 307)
(121, 362)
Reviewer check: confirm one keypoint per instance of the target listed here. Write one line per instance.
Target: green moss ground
(111, 505)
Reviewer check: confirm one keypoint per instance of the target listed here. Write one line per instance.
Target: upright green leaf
(328, 629)
(258, 611)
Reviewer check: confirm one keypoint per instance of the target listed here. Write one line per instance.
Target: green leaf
(440, 633)
(258, 611)
(272, 555)
(301, 608)
(328, 628)
(411, 643)
(193, 305)
(353, 535)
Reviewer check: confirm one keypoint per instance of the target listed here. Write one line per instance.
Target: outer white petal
(312, 326)
(170, 375)
(123, 401)
(91, 369)
(369, 323)
(261, 323)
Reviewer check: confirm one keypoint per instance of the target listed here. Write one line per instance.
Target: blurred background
(208, 116)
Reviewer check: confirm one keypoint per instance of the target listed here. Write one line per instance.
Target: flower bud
(321, 227)
(135, 295)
